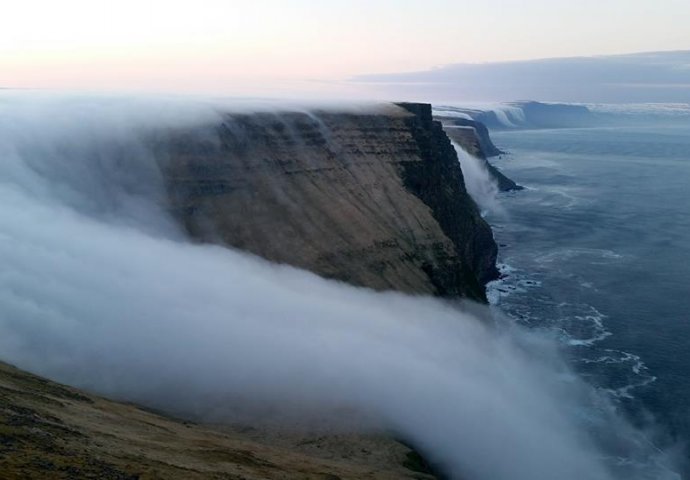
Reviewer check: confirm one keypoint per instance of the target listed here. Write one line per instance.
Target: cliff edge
(373, 198)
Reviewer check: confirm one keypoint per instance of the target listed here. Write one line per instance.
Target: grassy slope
(49, 431)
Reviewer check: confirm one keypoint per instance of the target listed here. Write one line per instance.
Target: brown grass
(49, 431)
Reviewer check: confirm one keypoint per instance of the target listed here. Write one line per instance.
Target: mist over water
(100, 289)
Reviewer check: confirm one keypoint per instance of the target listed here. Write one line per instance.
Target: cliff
(522, 115)
(485, 147)
(554, 115)
(374, 198)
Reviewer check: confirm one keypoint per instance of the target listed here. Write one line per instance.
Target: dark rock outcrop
(439, 183)
(372, 198)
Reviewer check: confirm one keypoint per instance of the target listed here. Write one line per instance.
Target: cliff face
(521, 115)
(439, 183)
(371, 198)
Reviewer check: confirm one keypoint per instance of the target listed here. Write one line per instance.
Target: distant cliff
(475, 140)
(523, 115)
(374, 198)
(484, 145)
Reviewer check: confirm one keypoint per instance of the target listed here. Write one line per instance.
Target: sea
(595, 251)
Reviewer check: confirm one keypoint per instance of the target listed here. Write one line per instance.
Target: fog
(100, 289)
(478, 181)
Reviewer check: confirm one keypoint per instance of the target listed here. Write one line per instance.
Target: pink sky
(282, 48)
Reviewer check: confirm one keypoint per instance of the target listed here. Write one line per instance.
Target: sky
(271, 47)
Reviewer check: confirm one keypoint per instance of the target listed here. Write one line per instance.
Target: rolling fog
(100, 289)
(478, 181)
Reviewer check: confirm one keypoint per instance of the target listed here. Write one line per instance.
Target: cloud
(634, 78)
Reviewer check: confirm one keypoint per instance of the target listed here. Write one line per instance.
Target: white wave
(569, 253)
(507, 284)
(640, 377)
(599, 332)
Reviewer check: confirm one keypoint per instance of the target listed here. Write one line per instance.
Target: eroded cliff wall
(374, 198)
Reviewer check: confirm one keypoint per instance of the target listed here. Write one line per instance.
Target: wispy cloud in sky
(643, 77)
(273, 47)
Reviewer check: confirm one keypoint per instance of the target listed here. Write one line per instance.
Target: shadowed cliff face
(373, 199)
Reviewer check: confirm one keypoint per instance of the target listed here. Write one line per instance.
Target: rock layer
(374, 198)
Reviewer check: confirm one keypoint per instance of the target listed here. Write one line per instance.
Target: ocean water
(596, 252)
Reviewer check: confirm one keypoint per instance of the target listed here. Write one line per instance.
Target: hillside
(50, 431)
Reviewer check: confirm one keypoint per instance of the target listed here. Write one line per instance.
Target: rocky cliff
(522, 115)
(484, 145)
(374, 197)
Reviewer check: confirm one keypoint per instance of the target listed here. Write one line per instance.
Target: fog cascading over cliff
(481, 186)
(103, 289)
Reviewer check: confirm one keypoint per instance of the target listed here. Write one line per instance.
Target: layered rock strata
(374, 198)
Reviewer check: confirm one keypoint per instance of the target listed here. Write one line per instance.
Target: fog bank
(478, 181)
(632, 78)
(100, 289)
